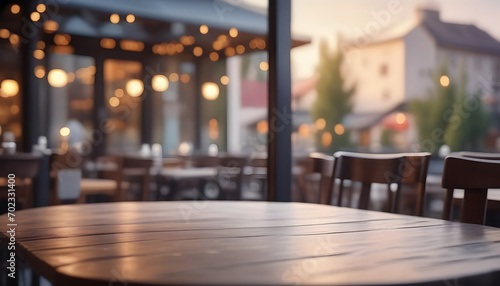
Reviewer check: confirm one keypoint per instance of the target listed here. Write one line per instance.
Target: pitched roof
(462, 36)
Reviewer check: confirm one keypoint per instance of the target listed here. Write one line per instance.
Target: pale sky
(323, 19)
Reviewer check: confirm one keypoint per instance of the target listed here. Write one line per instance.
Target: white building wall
(480, 68)
(419, 62)
(376, 91)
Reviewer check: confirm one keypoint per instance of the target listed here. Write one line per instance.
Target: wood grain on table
(210, 242)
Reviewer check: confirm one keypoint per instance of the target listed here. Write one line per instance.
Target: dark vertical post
(197, 106)
(279, 175)
(30, 105)
(147, 106)
(30, 100)
(99, 113)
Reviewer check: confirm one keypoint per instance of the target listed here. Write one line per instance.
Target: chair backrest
(401, 168)
(22, 165)
(201, 161)
(323, 164)
(478, 155)
(303, 175)
(448, 203)
(65, 169)
(230, 175)
(415, 173)
(258, 162)
(230, 171)
(136, 162)
(475, 176)
(368, 169)
(143, 165)
(172, 162)
(122, 167)
(68, 160)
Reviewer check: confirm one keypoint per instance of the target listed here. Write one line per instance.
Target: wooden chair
(478, 155)
(492, 204)
(367, 169)
(68, 166)
(415, 173)
(230, 176)
(475, 176)
(202, 161)
(227, 183)
(402, 168)
(258, 173)
(66, 177)
(142, 166)
(323, 164)
(25, 168)
(305, 180)
(128, 167)
(230, 173)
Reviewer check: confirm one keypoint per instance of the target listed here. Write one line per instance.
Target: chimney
(426, 14)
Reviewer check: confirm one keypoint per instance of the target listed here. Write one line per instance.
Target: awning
(178, 17)
(360, 121)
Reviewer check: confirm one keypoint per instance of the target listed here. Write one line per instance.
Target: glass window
(174, 104)
(430, 78)
(70, 97)
(123, 88)
(10, 89)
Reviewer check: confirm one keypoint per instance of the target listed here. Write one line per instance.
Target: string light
(233, 32)
(130, 18)
(114, 18)
(203, 29)
(15, 9)
(41, 8)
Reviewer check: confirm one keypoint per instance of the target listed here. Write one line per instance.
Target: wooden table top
(214, 242)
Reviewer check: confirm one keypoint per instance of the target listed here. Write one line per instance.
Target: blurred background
(114, 77)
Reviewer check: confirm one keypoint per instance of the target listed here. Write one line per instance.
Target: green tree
(431, 124)
(469, 121)
(334, 101)
(450, 115)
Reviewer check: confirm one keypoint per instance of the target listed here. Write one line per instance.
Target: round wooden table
(214, 242)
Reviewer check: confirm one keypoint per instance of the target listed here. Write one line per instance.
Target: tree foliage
(333, 102)
(450, 116)
(469, 123)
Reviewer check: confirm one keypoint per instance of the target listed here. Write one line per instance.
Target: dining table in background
(249, 243)
(173, 177)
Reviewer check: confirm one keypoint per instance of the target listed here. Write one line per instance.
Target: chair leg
(448, 204)
(29, 195)
(397, 199)
(324, 184)
(364, 197)
(159, 184)
(173, 185)
(341, 190)
(474, 206)
(329, 191)
(350, 192)
(389, 204)
(419, 211)
(145, 187)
